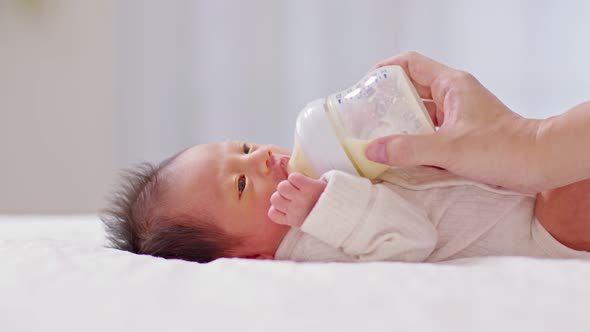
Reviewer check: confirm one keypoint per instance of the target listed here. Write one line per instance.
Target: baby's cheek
(264, 198)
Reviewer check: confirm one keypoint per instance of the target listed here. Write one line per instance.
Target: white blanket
(56, 276)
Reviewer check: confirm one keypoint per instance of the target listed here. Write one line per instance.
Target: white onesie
(418, 214)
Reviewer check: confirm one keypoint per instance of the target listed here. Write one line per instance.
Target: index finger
(422, 70)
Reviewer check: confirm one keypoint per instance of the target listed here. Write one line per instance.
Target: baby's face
(233, 182)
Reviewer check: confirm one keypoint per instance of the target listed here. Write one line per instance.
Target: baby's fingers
(279, 202)
(305, 183)
(277, 216)
(287, 190)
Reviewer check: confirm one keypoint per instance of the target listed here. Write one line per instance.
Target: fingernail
(376, 152)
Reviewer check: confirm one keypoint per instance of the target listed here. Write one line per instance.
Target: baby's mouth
(283, 165)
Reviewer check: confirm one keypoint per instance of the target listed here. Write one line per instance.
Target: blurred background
(88, 87)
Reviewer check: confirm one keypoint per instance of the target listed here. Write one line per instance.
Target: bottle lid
(319, 141)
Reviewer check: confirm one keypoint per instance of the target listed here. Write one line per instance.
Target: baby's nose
(264, 161)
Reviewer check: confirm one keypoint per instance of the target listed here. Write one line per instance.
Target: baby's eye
(246, 148)
(241, 184)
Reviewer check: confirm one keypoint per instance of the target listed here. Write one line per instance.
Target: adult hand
(478, 136)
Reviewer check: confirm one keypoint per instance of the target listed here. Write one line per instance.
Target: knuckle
(460, 77)
(283, 186)
(293, 180)
(402, 153)
(275, 198)
(451, 84)
(411, 54)
(300, 182)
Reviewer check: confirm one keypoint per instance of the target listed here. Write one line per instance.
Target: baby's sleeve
(370, 222)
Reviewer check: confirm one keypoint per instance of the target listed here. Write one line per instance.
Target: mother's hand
(479, 137)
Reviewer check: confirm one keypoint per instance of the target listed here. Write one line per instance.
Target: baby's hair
(136, 221)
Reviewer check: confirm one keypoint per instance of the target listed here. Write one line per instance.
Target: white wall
(56, 105)
(530, 53)
(201, 71)
(90, 86)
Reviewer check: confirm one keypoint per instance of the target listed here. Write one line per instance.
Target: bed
(58, 276)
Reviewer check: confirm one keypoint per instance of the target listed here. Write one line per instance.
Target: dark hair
(136, 221)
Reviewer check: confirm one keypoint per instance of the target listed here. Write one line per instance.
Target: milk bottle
(333, 132)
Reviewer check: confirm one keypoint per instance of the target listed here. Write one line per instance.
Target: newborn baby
(233, 199)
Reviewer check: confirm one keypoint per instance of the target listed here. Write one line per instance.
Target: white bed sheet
(56, 276)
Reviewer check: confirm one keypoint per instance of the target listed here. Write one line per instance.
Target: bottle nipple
(299, 163)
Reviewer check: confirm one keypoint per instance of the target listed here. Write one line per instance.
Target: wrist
(519, 141)
(535, 131)
(548, 155)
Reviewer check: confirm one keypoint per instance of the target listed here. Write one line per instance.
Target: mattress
(56, 275)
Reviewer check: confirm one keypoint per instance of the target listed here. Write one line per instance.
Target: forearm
(562, 150)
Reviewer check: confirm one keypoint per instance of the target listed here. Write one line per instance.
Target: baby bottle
(333, 132)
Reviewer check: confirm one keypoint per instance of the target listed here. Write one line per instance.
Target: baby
(235, 199)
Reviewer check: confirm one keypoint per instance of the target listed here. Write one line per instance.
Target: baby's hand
(294, 199)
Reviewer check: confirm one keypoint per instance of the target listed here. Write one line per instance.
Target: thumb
(408, 150)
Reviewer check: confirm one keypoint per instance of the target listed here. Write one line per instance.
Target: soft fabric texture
(415, 215)
(57, 276)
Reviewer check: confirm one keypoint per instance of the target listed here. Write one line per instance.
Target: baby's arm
(368, 222)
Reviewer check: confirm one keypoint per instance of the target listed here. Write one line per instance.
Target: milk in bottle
(333, 132)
